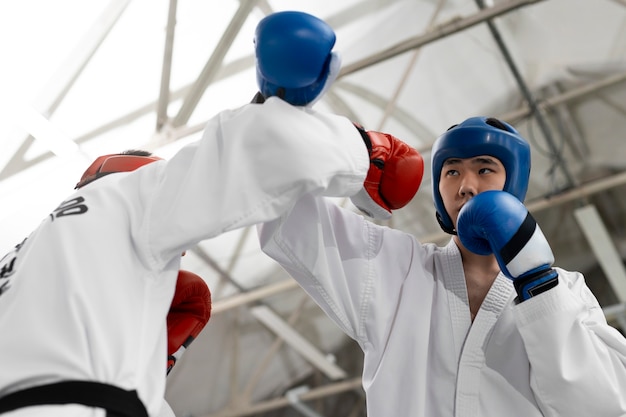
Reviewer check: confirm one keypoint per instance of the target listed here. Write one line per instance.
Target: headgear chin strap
(481, 136)
(109, 164)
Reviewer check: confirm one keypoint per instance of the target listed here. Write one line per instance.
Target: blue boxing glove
(497, 222)
(294, 58)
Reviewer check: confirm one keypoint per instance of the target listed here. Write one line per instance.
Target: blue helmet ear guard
(293, 56)
(481, 136)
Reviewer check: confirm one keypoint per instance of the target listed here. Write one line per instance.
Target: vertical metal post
(605, 251)
(164, 93)
(535, 111)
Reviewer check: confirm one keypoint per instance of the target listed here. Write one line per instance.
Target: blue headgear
(293, 56)
(481, 136)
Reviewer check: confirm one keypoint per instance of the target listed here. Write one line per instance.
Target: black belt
(116, 401)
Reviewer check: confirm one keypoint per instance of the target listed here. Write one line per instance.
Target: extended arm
(253, 163)
(249, 167)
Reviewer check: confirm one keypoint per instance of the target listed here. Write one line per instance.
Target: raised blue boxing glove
(294, 58)
(497, 222)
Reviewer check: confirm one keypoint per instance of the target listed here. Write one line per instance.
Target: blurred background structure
(83, 78)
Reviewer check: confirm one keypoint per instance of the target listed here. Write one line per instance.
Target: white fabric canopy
(79, 79)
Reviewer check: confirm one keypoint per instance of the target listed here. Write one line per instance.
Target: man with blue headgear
(482, 327)
(496, 221)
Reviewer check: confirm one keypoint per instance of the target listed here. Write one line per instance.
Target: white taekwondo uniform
(85, 296)
(406, 305)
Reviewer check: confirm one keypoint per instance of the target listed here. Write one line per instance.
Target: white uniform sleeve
(337, 257)
(249, 167)
(578, 361)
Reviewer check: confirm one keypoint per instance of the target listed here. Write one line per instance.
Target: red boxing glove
(394, 176)
(189, 313)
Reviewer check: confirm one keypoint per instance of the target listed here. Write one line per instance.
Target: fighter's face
(462, 179)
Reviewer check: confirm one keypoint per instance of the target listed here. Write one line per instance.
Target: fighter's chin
(454, 220)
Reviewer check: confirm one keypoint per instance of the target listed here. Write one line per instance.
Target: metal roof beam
(281, 402)
(435, 34)
(214, 63)
(166, 71)
(555, 155)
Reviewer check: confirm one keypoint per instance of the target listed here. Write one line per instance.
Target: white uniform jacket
(406, 305)
(85, 296)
